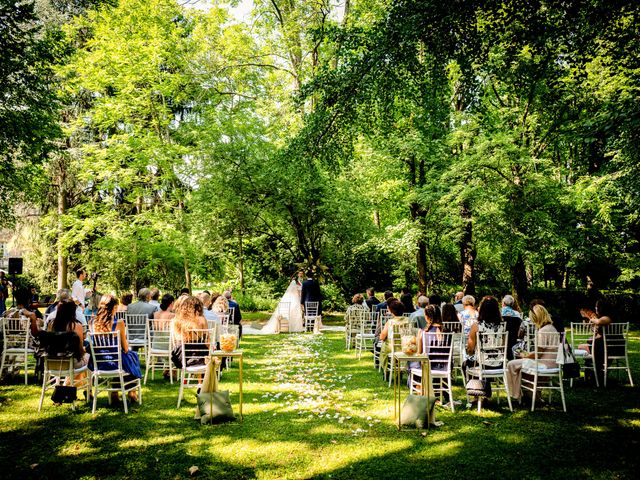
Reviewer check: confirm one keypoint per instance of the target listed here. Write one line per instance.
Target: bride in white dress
(292, 297)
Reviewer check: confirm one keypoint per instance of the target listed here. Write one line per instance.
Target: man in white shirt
(77, 290)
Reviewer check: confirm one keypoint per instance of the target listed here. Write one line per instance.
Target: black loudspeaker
(15, 266)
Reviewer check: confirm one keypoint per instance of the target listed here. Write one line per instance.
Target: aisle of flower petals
(308, 384)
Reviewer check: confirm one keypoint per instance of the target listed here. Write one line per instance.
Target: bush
(332, 298)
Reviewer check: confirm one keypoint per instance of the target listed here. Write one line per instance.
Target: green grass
(299, 433)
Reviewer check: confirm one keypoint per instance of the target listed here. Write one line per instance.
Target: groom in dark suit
(311, 292)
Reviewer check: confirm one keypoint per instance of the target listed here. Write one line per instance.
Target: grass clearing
(313, 411)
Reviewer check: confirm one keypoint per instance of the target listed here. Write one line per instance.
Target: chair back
(512, 326)
(224, 318)
(136, 325)
(452, 327)
(311, 309)
(546, 347)
(615, 340)
(369, 322)
(284, 309)
(231, 312)
(105, 350)
(159, 334)
(396, 332)
(581, 334)
(354, 318)
(15, 332)
(439, 347)
(197, 348)
(491, 349)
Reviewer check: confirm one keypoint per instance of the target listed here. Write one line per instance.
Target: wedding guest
(205, 298)
(418, 315)
(542, 321)
(51, 313)
(125, 301)
(220, 305)
(165, 311)
(600, 320)
(383, 306)
(513, 319)
(237, 314)
(468, 316)
(188, 319)
(371, 300)
(407, 300)
(450, 318)
(155, 297)
(508, 310)
(66, 320)
(356, 311)
(488, 320)
(396, 309)
(457, 302)
(142, 306)
(107, 321)
(78, 292)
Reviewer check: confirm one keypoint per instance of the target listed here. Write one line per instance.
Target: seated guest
(468, 316)
(237, 314)
(125, 301)
(166, 309)
(371, 300)
(220, 305)
(418, 315)
(383, 306)
(489, 319)
(508, 307)
(430, 339)
(66, 320)
(450, 318)
(185, 291)
(155, 298)
(107, 321)
(142, 306)
(457, 302)
(407, 300)
(208, 314)
(513, 320)
(600, 320)
(355, 312)
(189, 318)
(542, 321)
(396, 309)
(63, 296)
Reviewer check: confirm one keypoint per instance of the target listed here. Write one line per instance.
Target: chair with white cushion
(491, 357)
(194, 356)
(59, 364)
(17, 350)
(158, 349)
(615, 349)
(439, 348)
(539, 373)
(108, 372)
(311, 316)
(582, 342)
(136, 325)
(365, 335)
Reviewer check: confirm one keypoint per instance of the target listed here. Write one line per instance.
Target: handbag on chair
(566, 360)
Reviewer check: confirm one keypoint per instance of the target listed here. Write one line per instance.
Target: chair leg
(44, 387)
(123, 392)
(139, 392)
(95, 393)
(26, 369)
(534, 392)
(626, 360)
(450, 381)
(181, 390)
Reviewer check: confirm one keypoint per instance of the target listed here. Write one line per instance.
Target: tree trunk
(241, 261)
(421, 260)
(467, 253)
(519, 280)
(376, 217)
(187, 274)
(62, 258)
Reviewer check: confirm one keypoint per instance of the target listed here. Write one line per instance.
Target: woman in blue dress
(106, 321)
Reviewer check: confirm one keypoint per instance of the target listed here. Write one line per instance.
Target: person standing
(4, 293)
(311, 293)
(77, 290)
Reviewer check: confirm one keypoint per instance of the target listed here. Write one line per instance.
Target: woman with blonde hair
(186, 325)
(220, 305)
(106, 321)
(544, 325)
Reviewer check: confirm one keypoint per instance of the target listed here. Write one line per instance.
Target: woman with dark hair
(489, 319)
(599, 321)
(396, 308)
(125, 301)
(450, 318)
(106, 321)
(407, 300)
(65, 321)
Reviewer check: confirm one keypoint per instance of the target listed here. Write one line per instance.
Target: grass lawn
(313, 411)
